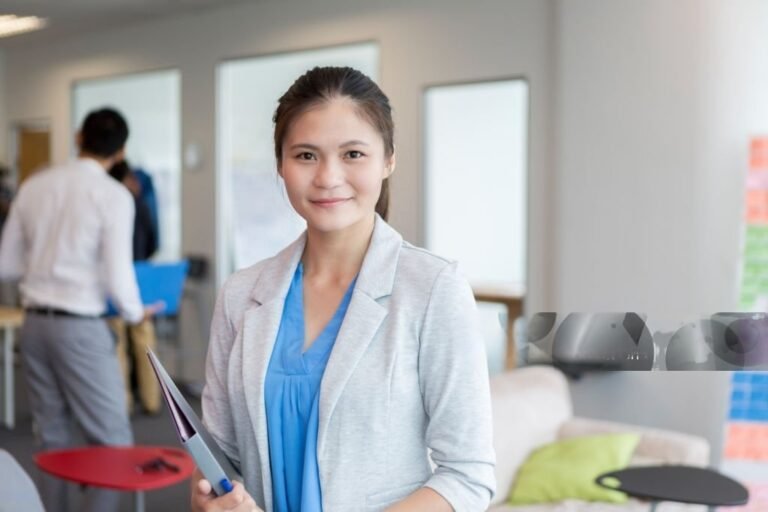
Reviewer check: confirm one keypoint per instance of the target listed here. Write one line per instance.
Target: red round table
(124, 468)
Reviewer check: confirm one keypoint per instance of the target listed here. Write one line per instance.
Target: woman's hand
(423, 500)
(203, 500)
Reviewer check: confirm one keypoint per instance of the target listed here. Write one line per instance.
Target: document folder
(211, 460)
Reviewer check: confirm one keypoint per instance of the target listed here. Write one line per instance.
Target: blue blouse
(292, 391)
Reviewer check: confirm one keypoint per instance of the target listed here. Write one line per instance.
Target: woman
(337, 364)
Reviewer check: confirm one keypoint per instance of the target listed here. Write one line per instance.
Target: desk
(683, 484)
(10, 319)
(512, 298)
(115, 467)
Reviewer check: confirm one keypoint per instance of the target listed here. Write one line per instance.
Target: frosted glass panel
(476, 179)
(255, 218)
(150, 104)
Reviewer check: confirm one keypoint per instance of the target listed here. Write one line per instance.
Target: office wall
(656, 104)
(657, 101)
(423, 42)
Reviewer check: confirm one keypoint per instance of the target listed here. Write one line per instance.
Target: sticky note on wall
(758, 154)
(747, 441)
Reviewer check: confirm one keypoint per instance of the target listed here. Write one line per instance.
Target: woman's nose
(329, 174)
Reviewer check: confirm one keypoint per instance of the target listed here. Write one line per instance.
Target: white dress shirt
(69, 238)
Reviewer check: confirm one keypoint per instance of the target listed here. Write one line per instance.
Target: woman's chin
(326, 222)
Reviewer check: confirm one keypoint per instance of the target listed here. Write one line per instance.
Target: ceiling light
(11, 25)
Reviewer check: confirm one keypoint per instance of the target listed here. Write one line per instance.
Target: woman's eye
(306, 156)
(354, 154)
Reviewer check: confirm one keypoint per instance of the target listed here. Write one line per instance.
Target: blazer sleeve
(217, 410)
(454, 381)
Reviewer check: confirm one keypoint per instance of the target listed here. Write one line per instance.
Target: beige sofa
(532, 407)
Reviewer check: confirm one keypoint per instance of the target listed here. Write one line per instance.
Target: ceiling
(70, 17)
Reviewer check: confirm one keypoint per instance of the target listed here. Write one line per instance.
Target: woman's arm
(455, 388)
(217, 410)
(217, 414)
(423, 500)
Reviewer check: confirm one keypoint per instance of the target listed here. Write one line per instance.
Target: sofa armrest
(657, 446)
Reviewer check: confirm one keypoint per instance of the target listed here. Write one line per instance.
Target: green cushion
(567, 469)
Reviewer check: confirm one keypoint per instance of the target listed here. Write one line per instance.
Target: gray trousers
(73, 376)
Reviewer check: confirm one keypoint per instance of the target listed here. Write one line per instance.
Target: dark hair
(322, 84)
(104, 133)
(120, 170)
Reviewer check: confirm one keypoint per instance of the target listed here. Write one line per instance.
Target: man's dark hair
(120, 170)
(104, 133)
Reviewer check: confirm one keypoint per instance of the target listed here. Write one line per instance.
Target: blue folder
(159, 282)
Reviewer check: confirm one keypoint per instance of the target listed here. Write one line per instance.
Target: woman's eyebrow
(306, 145)
(353, 143)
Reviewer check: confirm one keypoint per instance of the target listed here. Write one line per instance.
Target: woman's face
(333, 165)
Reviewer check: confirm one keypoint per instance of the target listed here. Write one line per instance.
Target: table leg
(139, 501)
(8, 406)
(513, 312)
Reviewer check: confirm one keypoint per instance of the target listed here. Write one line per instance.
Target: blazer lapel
(362, 320)
(261, 322)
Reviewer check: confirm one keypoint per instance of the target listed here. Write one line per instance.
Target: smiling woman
(254, 217)
(315, 351)
(334, 164)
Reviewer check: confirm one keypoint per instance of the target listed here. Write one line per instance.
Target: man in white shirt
(69, 238)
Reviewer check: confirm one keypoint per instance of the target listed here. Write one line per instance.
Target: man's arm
(118, 259)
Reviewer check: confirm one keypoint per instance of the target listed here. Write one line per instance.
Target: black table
(684, 484)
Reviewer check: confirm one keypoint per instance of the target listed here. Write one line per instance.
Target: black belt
(56, 312)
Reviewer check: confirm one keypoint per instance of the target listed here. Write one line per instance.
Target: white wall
(424, 42)
(657, 101)
(656, 104)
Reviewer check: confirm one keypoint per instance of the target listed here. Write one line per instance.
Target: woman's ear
(391, 166)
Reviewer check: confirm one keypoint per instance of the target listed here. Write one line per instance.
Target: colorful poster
(754, 271)
(745, 456)
(746, 438)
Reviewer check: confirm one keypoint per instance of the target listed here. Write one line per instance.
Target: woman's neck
(336, 258)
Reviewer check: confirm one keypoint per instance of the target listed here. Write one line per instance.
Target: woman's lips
(328, 203)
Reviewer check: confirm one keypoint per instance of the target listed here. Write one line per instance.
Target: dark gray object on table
(684, 484)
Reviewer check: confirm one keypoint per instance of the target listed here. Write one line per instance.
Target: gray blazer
(407, 381)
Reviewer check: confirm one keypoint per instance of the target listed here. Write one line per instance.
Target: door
(33, 150)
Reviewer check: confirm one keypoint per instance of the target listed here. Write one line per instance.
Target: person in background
(68, 237)
(149, 197)
(135, 339)
(144, 229)
(340, 370)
